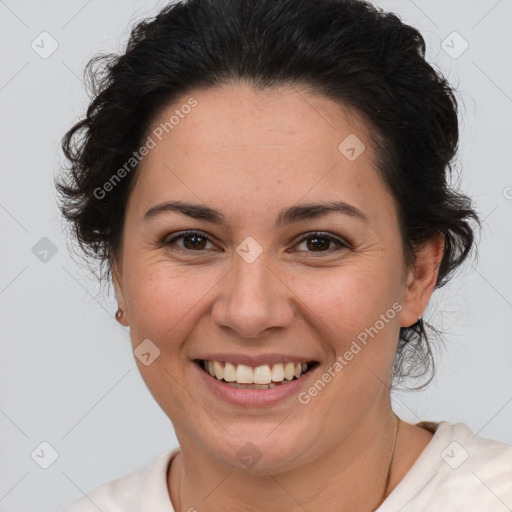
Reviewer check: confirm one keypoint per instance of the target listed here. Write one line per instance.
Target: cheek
(164, 299)
(345, 301)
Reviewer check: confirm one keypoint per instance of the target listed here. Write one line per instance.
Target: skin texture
(250, 154)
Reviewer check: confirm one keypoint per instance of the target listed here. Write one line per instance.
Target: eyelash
(318, 234)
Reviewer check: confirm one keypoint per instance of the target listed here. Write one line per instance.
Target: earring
(119, 314)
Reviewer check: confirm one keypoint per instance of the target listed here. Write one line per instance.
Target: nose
(253, 298)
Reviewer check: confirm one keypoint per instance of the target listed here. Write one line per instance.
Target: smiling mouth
(242, 376)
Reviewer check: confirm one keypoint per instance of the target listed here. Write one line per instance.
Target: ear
(117, 282)
(421, 280)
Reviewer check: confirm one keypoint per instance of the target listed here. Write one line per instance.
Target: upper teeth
(264, 374)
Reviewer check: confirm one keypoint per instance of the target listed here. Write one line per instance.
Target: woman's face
(261, 288)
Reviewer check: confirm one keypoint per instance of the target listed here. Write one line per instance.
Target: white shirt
(457, 471)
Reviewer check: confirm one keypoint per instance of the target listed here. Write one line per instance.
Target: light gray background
(67, 373)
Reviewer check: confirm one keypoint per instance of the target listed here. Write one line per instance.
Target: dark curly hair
(347, 50)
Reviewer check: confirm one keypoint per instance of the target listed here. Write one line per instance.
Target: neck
(353, 475)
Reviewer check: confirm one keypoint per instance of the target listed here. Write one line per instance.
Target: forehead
(238, 118)
(259, 147)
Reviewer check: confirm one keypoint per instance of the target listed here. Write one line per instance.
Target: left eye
(319, 241)
(195, 241)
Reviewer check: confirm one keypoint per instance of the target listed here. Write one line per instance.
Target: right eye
(193, 241)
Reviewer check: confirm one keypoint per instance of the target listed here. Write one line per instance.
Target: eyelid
(341, 243)
(168, 240)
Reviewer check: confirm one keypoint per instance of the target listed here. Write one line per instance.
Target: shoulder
(458, 470)
(142, 490)
(468, 455)
(479, 466)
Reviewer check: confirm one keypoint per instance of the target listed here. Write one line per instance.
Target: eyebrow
(287, 216)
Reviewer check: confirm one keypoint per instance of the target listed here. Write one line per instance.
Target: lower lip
(254, 397)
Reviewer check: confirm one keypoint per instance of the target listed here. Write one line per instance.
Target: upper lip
(256, 360)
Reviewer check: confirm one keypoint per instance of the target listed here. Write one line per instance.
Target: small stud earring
(119, 314)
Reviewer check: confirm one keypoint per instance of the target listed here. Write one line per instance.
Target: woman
(266, 184)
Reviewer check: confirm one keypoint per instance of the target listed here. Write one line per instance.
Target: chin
(259, 449)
